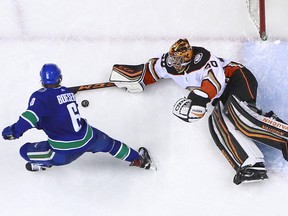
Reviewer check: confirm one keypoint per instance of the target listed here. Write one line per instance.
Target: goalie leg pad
(257, 127)
(129, 77)
(237, 148)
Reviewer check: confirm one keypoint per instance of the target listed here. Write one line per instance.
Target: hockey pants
(243, 85)
(42, 153)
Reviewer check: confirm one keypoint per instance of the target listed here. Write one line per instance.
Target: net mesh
(253, 7)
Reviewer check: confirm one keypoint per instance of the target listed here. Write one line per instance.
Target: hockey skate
(35, 167)
(145, 161)
(250, 174)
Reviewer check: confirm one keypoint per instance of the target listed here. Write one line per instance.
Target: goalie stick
(76, 89)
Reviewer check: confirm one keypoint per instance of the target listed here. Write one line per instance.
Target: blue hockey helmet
(50, 74)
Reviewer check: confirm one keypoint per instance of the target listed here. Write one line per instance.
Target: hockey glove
(129, 77)
(8, 133)
(184, 110)
(192, 108)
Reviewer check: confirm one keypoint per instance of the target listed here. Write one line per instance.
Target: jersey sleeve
(213, 80)
(30, 118)
(154, 70)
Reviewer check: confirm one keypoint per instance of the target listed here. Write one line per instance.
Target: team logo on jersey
(198, 58)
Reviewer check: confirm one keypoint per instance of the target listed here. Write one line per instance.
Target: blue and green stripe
(30, 117)
(123, 152)
(71, 145)
(41, 156)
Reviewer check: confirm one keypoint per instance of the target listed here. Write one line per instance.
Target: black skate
(250, 174)
(145, 160)
(35, 167)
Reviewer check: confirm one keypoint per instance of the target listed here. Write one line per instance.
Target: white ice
(85, 38)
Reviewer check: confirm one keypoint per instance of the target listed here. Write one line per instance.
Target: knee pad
(24, 149)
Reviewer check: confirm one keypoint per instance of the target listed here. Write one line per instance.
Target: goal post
(257, 13)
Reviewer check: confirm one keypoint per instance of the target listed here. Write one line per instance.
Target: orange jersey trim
(208, 88)
(148, 78)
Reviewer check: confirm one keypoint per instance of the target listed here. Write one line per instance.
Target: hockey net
(257, 13)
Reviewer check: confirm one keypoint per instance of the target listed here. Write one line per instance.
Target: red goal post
(257, 13)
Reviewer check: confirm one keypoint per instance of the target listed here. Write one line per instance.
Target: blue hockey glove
(8, 133)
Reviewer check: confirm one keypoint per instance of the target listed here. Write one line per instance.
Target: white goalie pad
(257, 121)
(251, 149)
(237, 148)
(129, 77)
(268, 130)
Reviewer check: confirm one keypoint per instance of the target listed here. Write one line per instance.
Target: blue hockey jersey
(55, 111)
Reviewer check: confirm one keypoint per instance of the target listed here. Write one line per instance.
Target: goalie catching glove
(193, 108)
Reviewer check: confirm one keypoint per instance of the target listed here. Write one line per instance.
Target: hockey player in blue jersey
(54, 110)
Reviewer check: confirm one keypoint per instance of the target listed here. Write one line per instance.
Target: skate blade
(152, 162)
(252, 181)
(153, 166)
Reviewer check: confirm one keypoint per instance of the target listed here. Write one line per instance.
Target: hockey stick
(76, 89)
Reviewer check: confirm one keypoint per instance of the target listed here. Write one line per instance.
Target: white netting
(253, 6)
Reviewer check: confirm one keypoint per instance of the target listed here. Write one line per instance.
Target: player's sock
(123, 152)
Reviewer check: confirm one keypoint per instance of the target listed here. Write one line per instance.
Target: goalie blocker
(134, 77)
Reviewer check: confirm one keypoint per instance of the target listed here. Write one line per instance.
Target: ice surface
(269, 63)
(85, 38)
